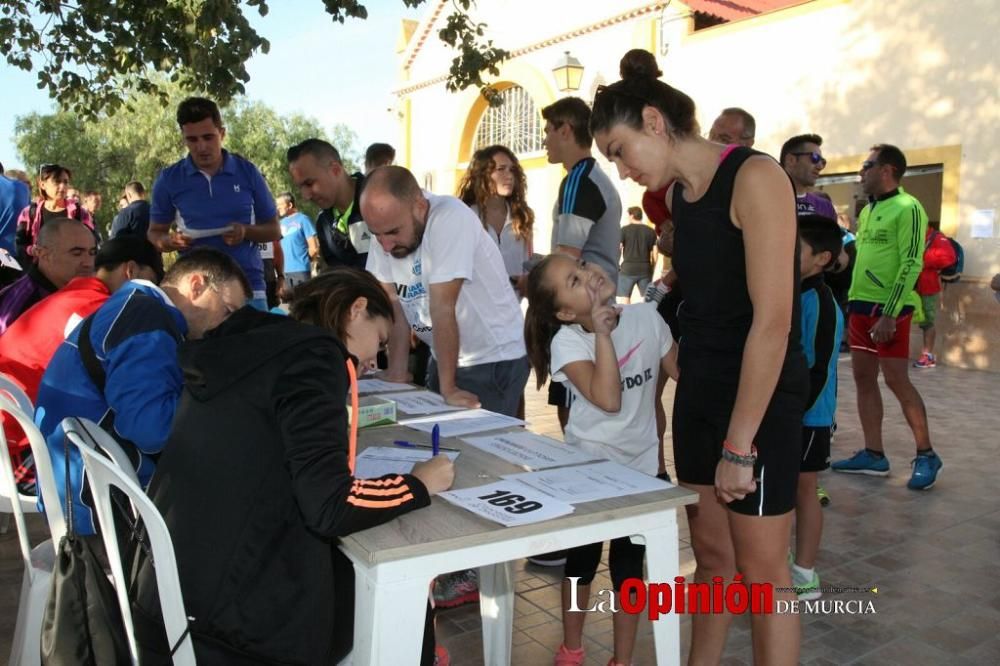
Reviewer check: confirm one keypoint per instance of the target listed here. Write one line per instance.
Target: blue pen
(435, 439)
(411, 445)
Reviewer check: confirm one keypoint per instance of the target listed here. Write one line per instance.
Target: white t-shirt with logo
(455, 246)
(628, 437)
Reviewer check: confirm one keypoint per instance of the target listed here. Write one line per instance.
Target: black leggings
(624, 559)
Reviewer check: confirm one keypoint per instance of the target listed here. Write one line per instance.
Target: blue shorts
(627, 282)
(499, 386)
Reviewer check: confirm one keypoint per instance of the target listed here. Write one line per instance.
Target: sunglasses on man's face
(814, 157)
(868, 164)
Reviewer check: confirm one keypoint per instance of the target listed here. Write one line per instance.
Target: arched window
(516, 123)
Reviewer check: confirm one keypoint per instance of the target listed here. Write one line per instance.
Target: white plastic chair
(101, 475)
(38, 561)
(85, 433)
(10, 389)
(15, 393)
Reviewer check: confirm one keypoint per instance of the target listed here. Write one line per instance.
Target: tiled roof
(735, 10)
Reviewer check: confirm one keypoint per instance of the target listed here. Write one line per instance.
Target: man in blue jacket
(119, 367)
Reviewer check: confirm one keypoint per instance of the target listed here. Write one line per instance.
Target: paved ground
(933, 556)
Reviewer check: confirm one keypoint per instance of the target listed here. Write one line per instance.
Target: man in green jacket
(890, 246)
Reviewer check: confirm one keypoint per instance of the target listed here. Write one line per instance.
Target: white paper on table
(463, 423)
(376, 461)
(419, 402)
(509, 503)
(381, 386)
(205, 233)
(531, 451)
(589, 483)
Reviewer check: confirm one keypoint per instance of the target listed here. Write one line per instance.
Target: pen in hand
(435, 439)
(411, 445)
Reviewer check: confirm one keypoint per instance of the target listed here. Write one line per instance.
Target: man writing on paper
(447, 283)
(218, 199)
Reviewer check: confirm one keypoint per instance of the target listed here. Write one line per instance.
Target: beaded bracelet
(733, 455)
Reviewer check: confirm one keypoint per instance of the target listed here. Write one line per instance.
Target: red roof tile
(735, 10)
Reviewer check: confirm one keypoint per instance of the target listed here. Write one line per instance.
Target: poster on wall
(982, 223)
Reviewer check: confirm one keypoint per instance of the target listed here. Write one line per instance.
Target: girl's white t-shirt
(628, 437)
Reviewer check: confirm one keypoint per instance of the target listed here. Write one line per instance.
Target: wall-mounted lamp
(568, 72)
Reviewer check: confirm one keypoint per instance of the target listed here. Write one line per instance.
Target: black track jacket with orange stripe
(255, 488)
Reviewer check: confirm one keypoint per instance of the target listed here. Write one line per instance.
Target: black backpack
(82, 623)
(953, 273)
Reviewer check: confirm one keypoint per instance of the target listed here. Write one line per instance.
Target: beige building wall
(920, 74)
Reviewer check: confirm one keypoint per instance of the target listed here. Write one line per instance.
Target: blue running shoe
(925, 471)
(863, 462)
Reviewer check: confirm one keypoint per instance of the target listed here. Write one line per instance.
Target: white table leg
(496, 604)
(388, 619)
(662, 565)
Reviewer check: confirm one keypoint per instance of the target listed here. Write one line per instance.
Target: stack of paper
(530, 451)
(589, 483)
(419, 402)
(381, 386)
(376, 461)
(206, 233)
(462, 423)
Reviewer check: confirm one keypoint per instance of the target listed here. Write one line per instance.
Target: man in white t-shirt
(448, 284)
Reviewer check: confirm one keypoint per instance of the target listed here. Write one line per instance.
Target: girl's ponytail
(540, 322)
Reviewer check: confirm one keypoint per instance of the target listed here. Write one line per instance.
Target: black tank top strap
(723, 182)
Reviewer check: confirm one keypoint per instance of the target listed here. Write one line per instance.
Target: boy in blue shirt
(822, 330)
(298, 241)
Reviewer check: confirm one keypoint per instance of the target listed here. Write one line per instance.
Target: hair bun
(639, 64)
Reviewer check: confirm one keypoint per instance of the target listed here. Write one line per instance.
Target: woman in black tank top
(741, 394)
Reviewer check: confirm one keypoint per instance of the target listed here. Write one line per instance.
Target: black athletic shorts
(815, 448)
(703, 405)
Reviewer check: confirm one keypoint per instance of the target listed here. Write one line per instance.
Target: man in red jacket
(28, 344)
(938, 254)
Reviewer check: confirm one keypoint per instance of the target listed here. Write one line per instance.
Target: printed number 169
(510, 502)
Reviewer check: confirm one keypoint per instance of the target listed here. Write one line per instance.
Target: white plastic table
(395, 563)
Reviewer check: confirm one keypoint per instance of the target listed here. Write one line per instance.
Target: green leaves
(86, 52)
(475, 55)
(142, 137)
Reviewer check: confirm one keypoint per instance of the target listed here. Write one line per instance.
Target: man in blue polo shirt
(214, 198)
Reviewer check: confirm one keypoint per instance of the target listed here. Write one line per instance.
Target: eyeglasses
(868, 164)
(814, 157)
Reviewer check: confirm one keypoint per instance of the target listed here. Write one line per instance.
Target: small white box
(373, 411)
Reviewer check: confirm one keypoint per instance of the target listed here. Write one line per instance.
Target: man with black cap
(28, 345)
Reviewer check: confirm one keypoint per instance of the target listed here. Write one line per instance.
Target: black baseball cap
(129, 248)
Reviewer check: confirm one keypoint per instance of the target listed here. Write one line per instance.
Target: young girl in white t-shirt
(610, 360)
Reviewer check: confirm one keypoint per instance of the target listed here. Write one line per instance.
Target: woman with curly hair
(494, 187)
